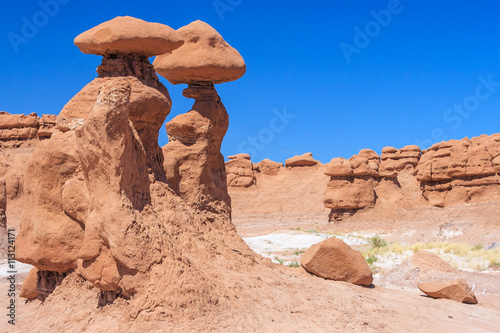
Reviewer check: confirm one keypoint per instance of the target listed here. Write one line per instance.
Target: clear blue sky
(419, 76)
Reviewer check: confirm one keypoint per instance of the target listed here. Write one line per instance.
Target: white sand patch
(19, 267)
(279, 242)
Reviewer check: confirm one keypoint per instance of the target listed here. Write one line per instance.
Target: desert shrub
(294, 264)
(377, 241)
(371, 259)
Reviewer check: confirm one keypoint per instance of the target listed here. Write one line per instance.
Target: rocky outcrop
(395, 160)
(335, 260)
(15, 127)
(268, 167)
(461, 171)
(352, 183)
(239, 171)
(456, 290)
(301, 160)
(449, 173)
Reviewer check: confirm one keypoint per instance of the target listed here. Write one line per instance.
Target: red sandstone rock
(428, 261)
(349, 194)
(28, 289)
(239, 171)
(301, 160)
(456, 290)
(339, 167)
(335, 260)
(126, 35)
(204, 57)
(268, 167)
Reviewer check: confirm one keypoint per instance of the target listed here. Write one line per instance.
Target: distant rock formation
(461, 171)
(239, 171)
(448, 173)
(268, 167)
(20, 127)
(352, 183)
(301, 160)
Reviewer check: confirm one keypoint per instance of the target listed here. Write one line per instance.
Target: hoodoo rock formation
(352, 183)
(101, 202)
(461, 171)
(195, 137)
(240, 171)
(448, 173)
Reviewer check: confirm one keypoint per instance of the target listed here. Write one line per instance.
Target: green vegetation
(371, 259)
(377, 241)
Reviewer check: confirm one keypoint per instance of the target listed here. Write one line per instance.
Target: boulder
(28, 289)
(204, 57)
(456, 290)
(428, 261)
(335, 260)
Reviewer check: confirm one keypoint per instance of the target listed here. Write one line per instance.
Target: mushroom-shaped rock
(268, 167)
(339, 167)
(301, 160)
(204, 57)
(456, 290)
(126, 35)
(335, 260)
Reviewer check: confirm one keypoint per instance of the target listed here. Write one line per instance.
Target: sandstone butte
(107, 217)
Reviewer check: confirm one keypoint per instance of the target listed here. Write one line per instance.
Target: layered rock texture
(461, 171)
(240, 171)
(20, 127)
(448, 173)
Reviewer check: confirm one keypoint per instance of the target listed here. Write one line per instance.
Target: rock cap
(125, 34)
(204, 57)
